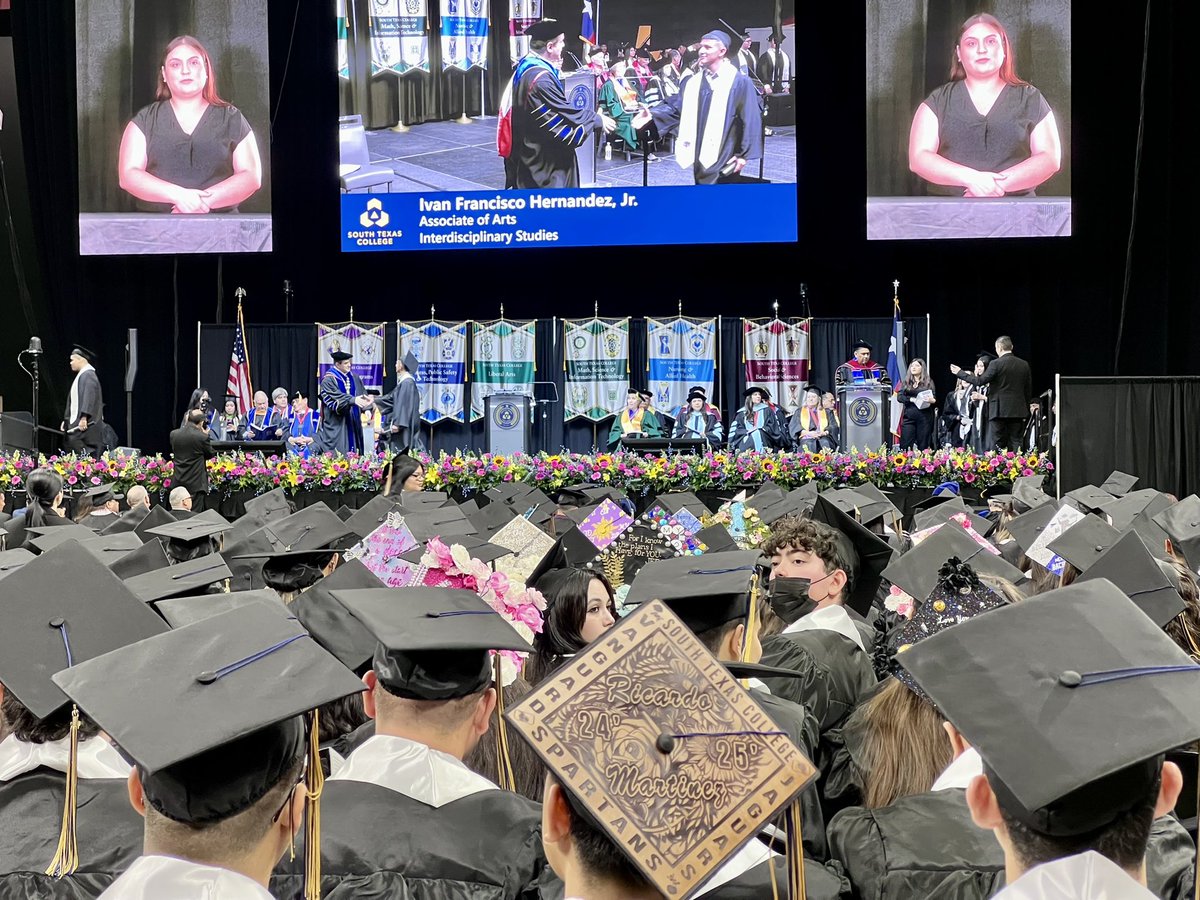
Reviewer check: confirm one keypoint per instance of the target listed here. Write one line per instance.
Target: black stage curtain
(1143, 426)
(831, 340)
(280, 356)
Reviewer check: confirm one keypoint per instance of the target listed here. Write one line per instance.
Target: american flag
(238, 384)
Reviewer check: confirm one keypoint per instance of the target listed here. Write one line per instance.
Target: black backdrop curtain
(831, 340)
(1143, 426)
(280, 356)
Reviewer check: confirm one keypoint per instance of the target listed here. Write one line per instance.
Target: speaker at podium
(507, 422)
(865, 411)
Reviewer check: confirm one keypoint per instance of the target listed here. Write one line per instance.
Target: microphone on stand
(35, 346)
(575, 59)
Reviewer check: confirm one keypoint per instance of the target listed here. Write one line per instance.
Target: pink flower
(498, 582)
(441, 553)
(528, 615)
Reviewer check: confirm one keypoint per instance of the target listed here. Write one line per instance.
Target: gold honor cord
(66, 857)
(751, 627)
(506, 778)
(795, 853)
(314, 785)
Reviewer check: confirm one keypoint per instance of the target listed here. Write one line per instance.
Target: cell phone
(728, 168)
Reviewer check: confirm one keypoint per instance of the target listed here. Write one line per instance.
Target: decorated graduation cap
(1119, 483)
(433, 642)
(179, 579)
(545, 30)
(1144, 580)
(1084, 542)
(649, 776)
(1028, 527)
(1181, 522)
(181, 611)
(1054, 670)
(706, 592)
(917, 571)
(867, 552)
(331, 624)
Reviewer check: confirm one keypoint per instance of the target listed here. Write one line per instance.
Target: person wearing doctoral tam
(402, 407)
(343, 398)
(647, 716)
(405, 811)
(54, 850)
(698, 421)
(1072, 736)
(860, 367)
(635, 419)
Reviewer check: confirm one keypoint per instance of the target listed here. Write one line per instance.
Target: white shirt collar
(162, 877)
(831, 618)
(96, 758)
(1086, 876)
(412, 769)
(960, 771)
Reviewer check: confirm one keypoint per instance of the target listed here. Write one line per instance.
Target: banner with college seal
(441, 351)
(777, 356)
(502, 360)
(464, 34)
(399, 36)
(521, 14)
(364, 342)
(680, 353)
(596, 360)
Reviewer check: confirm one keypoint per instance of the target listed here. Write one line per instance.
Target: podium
(507, 422)
(580, 88)
(865, 412)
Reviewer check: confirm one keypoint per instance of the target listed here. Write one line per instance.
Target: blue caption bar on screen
(586, 217)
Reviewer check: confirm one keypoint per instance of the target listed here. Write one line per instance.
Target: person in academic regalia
(812, 427)
(403, 409)
(228, 425)
(201, 400)
(343, 398)
(860, 367)
(83, 419)
(104, 507)
(636, 418)
(36, 721)
(304, 422)
(697, 420)
(757, 425)
(43, 508)
(262, 423)
(717, 116)
(774, 67)
(546, 127)
(404, 813)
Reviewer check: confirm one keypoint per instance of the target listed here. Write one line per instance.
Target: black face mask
(789, 597)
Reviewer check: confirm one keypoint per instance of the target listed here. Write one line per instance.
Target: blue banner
(441, 351)
(680, 354)
(584, 217)
(464, 34)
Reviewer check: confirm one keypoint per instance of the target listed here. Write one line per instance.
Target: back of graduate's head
(42, 487)
(456, 723)
(573, 842)
(17, 720)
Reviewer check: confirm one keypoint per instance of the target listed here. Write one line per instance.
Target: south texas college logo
(373, 221)
(863, 411)
(374, 216)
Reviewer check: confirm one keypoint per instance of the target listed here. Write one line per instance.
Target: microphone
(240, 293)
(287, 286)
(575, 59)
(35, 346)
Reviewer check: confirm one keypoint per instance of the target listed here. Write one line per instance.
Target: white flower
(462, 559)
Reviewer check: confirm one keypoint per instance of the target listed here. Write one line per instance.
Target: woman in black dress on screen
(189, 151)
(985, 133)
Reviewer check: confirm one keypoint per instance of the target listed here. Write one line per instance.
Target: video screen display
(174, 125)
(968, 119)
(594, 123)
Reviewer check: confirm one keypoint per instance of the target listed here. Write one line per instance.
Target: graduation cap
(867, 552)
(1088, 498)
(155, 518)
(1055, 670)
(1147, 502)
(858, 343)
(1181, 522)
(330, 623)
(433, 642)
(446, 522)
(476, 548)
(12, 560)
(269, 506)
(59, 609)
(847, 500)
(1027, 491)
(181, 578)
(340, 355)
(181, 611)
(545, 30)
(670, 703)
(791, 504)
(1084, 542)
(719, 36)
(1132, 568)
(108, 548)
(1119, 483)
(917, 571)
(150, 557)
(312, 528)
(705, 591)
(1152, 535)
(195, 535)
(211, 713)
(343, 512)
(878, 505)
(766, 395)
(84, 352)
(490, 519)
(103, 494)
(127, 521)
(418, 500)
(938, 513)
(50, 537)
(371, 515)
(674, 501)
(1028, 527)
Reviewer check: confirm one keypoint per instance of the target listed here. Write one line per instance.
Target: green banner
(503, 360)
(597, 366)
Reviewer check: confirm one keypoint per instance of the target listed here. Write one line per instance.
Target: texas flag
(587, 30)
(897, 368)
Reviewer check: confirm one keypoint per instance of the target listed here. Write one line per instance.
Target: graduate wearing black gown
(403, 409)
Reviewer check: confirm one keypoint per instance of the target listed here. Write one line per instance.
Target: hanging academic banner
(441, 351)
(522, 14)
(597, 366)
(399, 36)
(777, 356)
(464, 34)
(363, 342)
(502, 361)
(680, 354)
(343, 40)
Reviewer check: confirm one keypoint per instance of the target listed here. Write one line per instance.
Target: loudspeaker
(131, 359)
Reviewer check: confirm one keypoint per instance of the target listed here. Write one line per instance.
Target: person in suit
(84, 416)
(1010, 394)
(192, 447)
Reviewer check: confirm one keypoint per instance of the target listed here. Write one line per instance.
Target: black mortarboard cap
(445, 523)
(1119, 483)
(916, 572)
(108, 548)
(878, 505)
(340, 355)
(156, 518)
(207, 524)
(211, 712)
(419, 500)
(1088, 498)
(1146, 502)
(1027, 491)
(372, 514)
(1035, 687)
(675, 501)
(181, 611)
(127, 521)
(545, 30)
(704, 591)
(433, 641)
(847, 500)
(1084, 542)
(312, 528)
(766, 394)
(102, 494)
(48, 538)
(343, 512)
(859, 342)
(768, 492)
(181, 578)
(1028, 527)
(475, 546)
(149, 557)
(80, 350)
(491, 518)
(938, 513)
(1132, 568)
(869, 552)
(791, 504)
(411, 364)
(62, 608)
(1151, 534)
(13, 560)
(269, 506)
(1181, 522)
(330, 623)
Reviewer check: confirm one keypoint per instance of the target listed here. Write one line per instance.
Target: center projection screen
(605, 143)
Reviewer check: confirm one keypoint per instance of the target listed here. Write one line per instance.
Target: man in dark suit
(1009, 396)
(192, 447)
(83, 418)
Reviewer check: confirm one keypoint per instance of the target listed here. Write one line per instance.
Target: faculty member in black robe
(403, 409)
(84, 415)
(343, 399)
(720, 97)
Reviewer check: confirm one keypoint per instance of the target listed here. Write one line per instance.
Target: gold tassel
(66, 858)
(797, 889)
(751, 621)
(506, 778)
(314, 784)
(771, 869)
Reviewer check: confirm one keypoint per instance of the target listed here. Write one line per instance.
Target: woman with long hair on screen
(189, 151)
(985, 133)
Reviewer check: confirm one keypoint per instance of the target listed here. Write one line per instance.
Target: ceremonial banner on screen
(399, 36)
(503, 360)
(777, 356)
(464, 34)
(521, 14)
(441, 351)
(680, 353)
(343, 40)
(364, 342)
(596, 361)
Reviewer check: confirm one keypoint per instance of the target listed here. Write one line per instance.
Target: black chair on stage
(355, 169)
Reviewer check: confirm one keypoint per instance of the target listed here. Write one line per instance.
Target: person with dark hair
(227, 425)
(189, 151)
(917, 408)
(580, 606)
(774, 67)
(99, 507)
(202, 401)
(980, 441)
(83, 419)
(637, 418)
(1010, 395)
(344, 398)
(403, 408)
(191, 449)
(985, 133)
(814, 428)
(43, 507)
(403, 473)
(288, 574)
(860, 367)
(529, 773)
(758, 425)
(699, 420)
